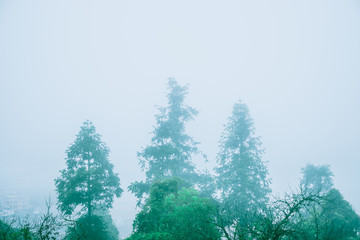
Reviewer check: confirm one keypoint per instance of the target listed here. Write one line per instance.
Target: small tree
(88, 181)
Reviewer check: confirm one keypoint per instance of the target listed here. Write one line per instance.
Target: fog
(294, 63)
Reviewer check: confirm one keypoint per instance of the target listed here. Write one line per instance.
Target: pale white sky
(295, 63)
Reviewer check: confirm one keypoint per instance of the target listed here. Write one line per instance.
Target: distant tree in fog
(317, 178)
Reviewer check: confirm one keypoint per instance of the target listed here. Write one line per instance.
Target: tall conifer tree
(89, 180)
(171, 149)
(242, 175)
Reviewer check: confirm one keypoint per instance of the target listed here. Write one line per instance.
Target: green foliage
(149, 218)
(25, 233)
(175, 212)
(89, 180)
(338, 218)
(16, 229)
(189, 216)
(151, 236)
(95, 227)
(7, 231)
(171, 149)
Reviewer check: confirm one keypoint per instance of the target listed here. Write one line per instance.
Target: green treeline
(176, 201)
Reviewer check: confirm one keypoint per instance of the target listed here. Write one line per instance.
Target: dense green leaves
(189, 216)
(173, 211)
(151, 236)
(148, 219)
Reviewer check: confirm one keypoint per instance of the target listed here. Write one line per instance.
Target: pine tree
(89, 180)
(171, 149)
(242, 175)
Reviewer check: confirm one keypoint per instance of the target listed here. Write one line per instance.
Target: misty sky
(296, 64)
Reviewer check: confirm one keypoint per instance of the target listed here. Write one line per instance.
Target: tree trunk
(89, 190)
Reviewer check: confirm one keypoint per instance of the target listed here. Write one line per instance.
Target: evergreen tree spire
(171, 149)
(242, 175)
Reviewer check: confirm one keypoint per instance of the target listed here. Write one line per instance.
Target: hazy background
(294, 63)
